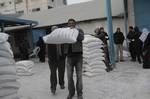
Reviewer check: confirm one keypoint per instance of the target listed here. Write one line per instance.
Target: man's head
(102, 29)
(96, 31)
(54, 27)
(118, 29)
(131, 28)
(71, 23)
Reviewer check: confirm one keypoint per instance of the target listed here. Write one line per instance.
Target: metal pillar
(125, 21)
(110, 32)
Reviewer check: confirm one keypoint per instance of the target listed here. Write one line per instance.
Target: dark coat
(131, 36)
(53, 53)
(103, 36)
(76, 48)
(118, 38)
(146, 53)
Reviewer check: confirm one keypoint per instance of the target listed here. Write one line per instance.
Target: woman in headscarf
(145, 38)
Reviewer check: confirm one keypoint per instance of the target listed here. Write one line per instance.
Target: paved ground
(128, 81)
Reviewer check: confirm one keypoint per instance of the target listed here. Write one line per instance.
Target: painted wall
(142, 14)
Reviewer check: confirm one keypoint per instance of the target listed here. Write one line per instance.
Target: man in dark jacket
(74, 60)
(56, 60)
(102, 35)
(118, 40)
(132, 44)
(139, 44)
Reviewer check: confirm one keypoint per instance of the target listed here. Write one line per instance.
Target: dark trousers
(132, 49)
(138, 50)
(54, 65)
(75, 61)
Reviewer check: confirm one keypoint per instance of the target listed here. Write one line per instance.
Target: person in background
(102, 35)
(74, 60)
(138, 44)
(145, 38)
(24, 47)
(118, 40)
(132, 44)
(56, 60)
(42, 46)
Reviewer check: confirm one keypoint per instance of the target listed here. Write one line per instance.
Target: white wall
(85, 11)
(89, 26)
(131, 16)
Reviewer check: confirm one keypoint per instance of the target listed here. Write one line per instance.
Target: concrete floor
(128, 81)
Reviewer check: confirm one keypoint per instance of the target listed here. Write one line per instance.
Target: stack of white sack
(24, 68)
(93, 56)
(61, 36)
(8, 78)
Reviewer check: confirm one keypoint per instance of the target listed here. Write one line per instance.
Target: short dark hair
(72, 20)
(131, 27)
(101, 28)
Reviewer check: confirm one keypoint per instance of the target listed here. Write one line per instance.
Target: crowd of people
(138, 45)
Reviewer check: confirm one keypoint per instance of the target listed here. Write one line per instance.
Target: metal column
(125, 21)
(110, 32)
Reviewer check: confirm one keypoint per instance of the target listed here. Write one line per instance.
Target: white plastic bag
(62, 35)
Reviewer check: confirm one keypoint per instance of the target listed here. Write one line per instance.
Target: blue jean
(75, 62)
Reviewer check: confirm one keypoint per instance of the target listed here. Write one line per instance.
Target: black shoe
(53, 91)
(70, 96)
(62, 87)
(80, 97)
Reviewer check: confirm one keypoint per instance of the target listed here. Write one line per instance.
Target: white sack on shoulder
(3, 37)
(61, 35)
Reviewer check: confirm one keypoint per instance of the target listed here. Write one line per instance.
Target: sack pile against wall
(8, 78)
(93, 56)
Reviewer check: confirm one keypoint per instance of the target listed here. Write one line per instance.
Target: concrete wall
(85, 11)
(8, 8)
(131, 14)
(89, 26)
